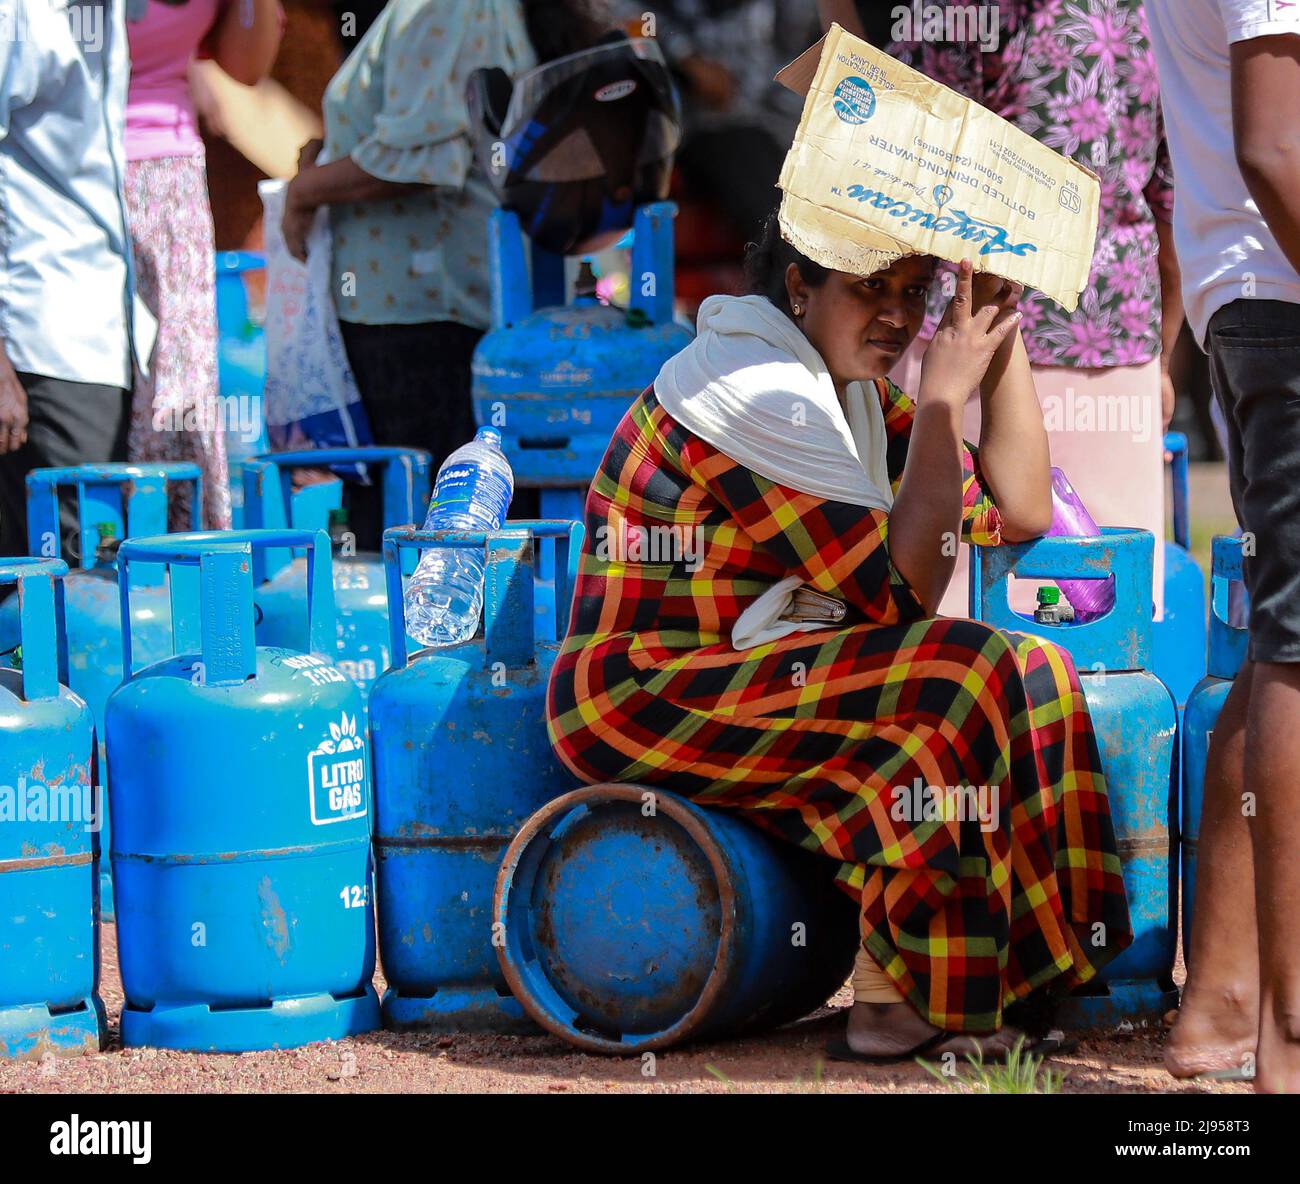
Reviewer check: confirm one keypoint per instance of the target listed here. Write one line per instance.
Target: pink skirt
(176, 415)
(1105, 433)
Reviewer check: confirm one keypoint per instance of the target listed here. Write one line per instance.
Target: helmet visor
(573, 118)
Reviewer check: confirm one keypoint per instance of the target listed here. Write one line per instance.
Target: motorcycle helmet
(574, 146)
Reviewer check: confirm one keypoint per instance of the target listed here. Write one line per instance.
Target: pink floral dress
(176, 412)
(1080, 77)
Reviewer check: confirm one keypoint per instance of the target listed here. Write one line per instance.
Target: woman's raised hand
(981, 316)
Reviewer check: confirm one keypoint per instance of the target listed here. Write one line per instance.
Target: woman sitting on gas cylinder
(951, 769)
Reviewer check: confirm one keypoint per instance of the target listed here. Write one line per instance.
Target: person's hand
(710, 82)
(308, 153)
(1166, 399)
(13, 409)
(970, 334)
(987, 288)
(296, 221)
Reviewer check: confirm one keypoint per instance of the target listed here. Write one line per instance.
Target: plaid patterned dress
(811, 734)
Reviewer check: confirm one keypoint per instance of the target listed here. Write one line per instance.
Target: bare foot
(990, 1044)
(1278, 1071)
(894, 1029)
(1213, 1034)
(886, 1029)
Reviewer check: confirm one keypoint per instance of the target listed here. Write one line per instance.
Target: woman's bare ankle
(885, 1029)
(890, 1029)
(1217, 1028)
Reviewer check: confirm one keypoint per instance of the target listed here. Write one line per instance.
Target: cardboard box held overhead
(887, 163)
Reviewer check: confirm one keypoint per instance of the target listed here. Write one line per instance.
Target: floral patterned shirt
(397, 107)
(1080, 77)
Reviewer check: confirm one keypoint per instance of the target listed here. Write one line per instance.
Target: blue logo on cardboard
(855, 101)
(956, 222)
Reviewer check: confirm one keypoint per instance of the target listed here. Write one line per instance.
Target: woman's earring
(797, 310)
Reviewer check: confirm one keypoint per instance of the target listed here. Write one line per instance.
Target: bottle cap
(1049, 596)
(106, 531)
(489, 436)
(338, 516)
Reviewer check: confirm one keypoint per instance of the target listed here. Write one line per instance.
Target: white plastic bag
(311, 398)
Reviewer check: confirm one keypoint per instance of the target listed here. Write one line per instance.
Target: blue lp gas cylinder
(461, 759)
(556, 378)
(1135, 721)
(241, 370)
(241, 791)
(49, 847)
(1227, 653)
(361, 606)
(633, 919)
(1178, 651)
(113, 502)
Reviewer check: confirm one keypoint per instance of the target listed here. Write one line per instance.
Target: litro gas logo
(336, 769)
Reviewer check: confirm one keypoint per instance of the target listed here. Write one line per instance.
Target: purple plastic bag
(1070, 519)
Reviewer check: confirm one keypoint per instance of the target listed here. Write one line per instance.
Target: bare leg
(1273, 774)
(1218, 1021)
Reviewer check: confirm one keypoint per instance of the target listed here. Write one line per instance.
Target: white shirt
(1225, 248)
(67, 306)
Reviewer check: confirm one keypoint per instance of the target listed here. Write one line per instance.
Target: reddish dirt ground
(788, 1061)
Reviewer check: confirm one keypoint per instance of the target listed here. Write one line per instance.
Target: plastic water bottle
(1070, 517)
(444, 596)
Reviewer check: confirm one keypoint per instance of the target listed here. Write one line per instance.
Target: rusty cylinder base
(634, 920)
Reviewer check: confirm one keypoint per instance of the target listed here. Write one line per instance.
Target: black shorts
(416, 384)
(1255, 367)
(69, 423)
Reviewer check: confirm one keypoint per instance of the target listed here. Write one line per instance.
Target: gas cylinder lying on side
(49, 847)
(241, 792)
(461, 759)
(632, 919)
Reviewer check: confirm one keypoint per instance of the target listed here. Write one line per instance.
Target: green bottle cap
(106, 531)
(1049, 596)
(338, 516)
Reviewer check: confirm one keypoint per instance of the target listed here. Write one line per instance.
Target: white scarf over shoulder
(753, 386)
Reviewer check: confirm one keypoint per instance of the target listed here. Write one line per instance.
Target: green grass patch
(1020, 1073)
